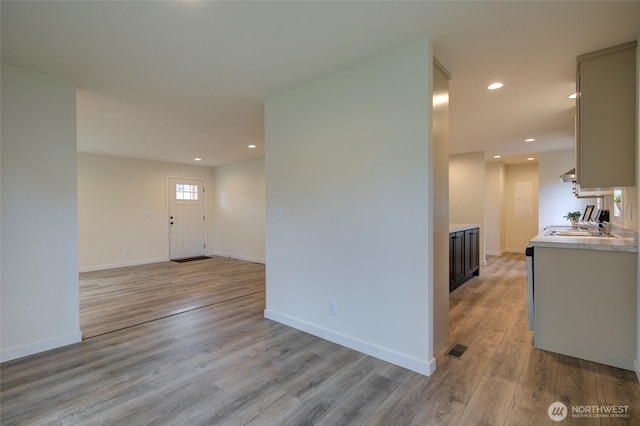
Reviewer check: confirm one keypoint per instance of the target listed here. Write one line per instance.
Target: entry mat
(190, 259)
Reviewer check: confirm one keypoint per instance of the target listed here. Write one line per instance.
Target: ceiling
(177, 80)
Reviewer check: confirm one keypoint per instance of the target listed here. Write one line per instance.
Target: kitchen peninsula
(584, 296)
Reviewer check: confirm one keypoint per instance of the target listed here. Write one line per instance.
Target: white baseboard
(513, 250)
(419, 366)
(500, 253)
(41, 346)
(236, 256)
(636, 364)
(122, 264)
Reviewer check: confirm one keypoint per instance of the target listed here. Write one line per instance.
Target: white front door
(186, 218)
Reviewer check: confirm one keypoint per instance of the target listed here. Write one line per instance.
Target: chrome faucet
(597, 229)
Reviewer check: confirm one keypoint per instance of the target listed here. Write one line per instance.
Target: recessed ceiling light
(497, 156)
(529, 140)
(494, 86)
(252, 146)
(531, 158)
(198, 159)
(572, 96)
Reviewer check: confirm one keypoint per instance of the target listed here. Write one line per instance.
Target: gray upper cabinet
(606, 118)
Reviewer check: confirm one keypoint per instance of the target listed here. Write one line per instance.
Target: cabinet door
(472, 251)
(458, 261)
(452, 259)
(606, 117)
(468, 252)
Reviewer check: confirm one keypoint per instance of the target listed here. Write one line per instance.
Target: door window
(186, 192)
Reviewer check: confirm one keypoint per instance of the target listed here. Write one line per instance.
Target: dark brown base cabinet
(464, 256)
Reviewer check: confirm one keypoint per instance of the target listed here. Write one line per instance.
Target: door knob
(171, 223)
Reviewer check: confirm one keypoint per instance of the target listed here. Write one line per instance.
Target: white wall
(555, 197)
(39, 284)
(440, 206)
(1, 222)
(466, 192)
(239, 210)
(494, 233)
(635, 207)
(519, 228)
(122, 205)
(347, 207)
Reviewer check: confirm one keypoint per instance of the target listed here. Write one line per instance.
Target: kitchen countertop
(455, 227)
(626, 242)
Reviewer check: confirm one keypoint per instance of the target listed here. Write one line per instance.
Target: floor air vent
(457, 351)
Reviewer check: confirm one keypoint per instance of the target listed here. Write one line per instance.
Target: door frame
(167, 227)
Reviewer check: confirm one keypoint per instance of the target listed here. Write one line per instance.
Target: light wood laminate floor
(225, 364)
(119, 298)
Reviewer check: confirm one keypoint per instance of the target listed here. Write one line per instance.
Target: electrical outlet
(126, 252)
(333, 307)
